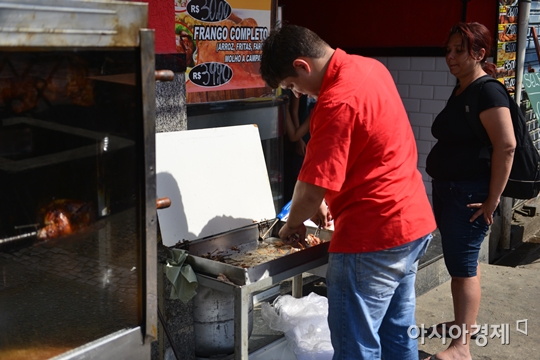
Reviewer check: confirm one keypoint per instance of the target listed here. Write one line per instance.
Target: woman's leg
(466, 293)
(461, 243)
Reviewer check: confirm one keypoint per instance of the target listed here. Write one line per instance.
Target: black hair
(283, 45)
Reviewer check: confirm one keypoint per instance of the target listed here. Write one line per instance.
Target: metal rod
(241, 322)
(17, 227)
(18, 237)
(297, 284)
(536, 46)
(523, 25)
(169, 337)
(270, 228)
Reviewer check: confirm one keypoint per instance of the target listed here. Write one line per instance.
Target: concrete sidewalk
(509, 294)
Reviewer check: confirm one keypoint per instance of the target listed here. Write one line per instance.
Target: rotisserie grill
(77, 214)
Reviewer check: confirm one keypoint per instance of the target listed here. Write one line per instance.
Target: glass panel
(70, 198)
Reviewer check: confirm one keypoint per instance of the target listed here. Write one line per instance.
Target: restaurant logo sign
(222, 41)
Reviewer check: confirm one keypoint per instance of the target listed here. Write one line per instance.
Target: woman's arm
(293, 133)
(293, 110)
(498, 124)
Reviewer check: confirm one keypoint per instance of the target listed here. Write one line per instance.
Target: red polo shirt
(362, 150)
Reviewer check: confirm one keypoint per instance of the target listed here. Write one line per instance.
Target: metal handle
(163, 203)
(270, 228)
(318, 231)
(164, 75)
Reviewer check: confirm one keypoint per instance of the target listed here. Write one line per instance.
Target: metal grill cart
(230, 256)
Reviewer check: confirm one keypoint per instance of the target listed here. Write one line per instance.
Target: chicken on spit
(63, 217)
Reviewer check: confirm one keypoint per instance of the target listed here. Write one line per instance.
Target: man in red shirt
(361, 162)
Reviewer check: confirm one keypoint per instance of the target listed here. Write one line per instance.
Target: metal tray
(240, 255)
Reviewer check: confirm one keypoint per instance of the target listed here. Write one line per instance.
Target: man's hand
(306, 201)
(322, 216)
(295, 237)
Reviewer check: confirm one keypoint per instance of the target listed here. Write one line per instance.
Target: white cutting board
(216, 179)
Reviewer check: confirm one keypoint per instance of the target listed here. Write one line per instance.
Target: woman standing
(467, 186)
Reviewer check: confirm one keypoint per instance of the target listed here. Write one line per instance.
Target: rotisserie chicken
(63, 217)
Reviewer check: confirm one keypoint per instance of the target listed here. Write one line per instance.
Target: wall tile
(416, 131)
(399, 63)
(440, 64)
(421, 92)
(423, 63)
(410, 77)
(442, 92)
(431, 106)
(452, 81)
(425, 134)
(421, 119)
(412, 105)
(425, 176)
(434, 78)
(423, 146)
(422, 160)
(403, 90)
(395, 76)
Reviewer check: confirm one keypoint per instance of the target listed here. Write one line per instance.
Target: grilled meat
(63, 217)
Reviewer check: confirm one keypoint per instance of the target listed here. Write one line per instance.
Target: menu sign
(222, 40)
(507, 43)
(531, 82)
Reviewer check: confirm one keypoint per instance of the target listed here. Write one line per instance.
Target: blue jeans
(372, 302)
(461, 239)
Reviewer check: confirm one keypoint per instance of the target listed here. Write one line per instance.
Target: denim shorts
(461, 239)
(372, 302)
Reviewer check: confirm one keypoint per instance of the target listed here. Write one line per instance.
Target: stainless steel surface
(122, 345)
(67, 23)
(258, 266)
(214, 322)
(150, 217)
(244, 281)
(241, 298)
(296, 290)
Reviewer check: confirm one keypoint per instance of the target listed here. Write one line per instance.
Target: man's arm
(306, 202)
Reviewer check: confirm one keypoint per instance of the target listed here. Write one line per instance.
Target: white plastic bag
(304, 323)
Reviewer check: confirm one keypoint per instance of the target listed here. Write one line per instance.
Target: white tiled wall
(424, 84)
